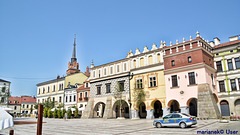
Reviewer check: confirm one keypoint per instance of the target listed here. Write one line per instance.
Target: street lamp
(129, 99)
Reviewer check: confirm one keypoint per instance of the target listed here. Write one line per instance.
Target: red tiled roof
(83, 88)
(13, 99)
(28, 99)
(227, 44)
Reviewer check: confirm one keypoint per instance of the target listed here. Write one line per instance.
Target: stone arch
(142, 110)
(224, 105)
(174, 106)
(215, 97)
(156, 105)
(192, 105)
(237, 106)
(98, 110)
(124, 110)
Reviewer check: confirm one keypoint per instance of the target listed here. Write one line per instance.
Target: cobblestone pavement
(114, 127)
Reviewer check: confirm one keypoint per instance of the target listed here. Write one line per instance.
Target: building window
(230, 64)
(159, 58)
(62, 86)
(105, 71)
(233, 85)
(191, 76)
(48, 89)
(53, 88)
(118, 68)
(23, 106)
(189, 59)
(70, 98)
(108, 88)
(93, 74)
(212, 77)
(74, 98)
(134, 64)
(60, 99)
(141, 62)
(139, 84)
(99, 73)
(86, 94)
(219, 66)
(27, 106)
(173, 63)
(80, 95)
(237, 62)
(125, 66)
(43, 90)
(111, 70)
(121, 85)
(86, 84)
(239, 82)
(174, 81)
(66, 99)
(15, 107)
(150, 60)
(98, 90)
(39, 91)
(152, 81)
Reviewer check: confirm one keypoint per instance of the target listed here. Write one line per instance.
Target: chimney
(233, 38)
(212, 43)
(217, 41)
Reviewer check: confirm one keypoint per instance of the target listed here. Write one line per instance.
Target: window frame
(233, 84)
(219, 66)
(108, 85)
(152, 81)
(191, 78)
(230, 64)
(174, 79)
(139, 83)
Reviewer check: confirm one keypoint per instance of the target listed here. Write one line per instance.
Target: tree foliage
(69, 113)
(49, 113)
(118, 96)
(55, 113)
(59, 113)
(76, 115)
(45, 112)
(139, 96)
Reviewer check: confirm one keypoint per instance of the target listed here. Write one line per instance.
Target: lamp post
(129, 99)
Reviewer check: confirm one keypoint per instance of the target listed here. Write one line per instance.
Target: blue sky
(36, 37)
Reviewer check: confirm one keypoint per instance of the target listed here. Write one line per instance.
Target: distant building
(83, 93)
(15, 104)
(52, 90)
(4, 92)
(27, 104)
(227, 63)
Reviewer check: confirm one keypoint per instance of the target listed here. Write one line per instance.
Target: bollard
(39, 122)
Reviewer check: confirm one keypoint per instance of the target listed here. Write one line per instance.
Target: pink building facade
(189, 75)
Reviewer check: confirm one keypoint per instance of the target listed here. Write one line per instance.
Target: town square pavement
(99, 126)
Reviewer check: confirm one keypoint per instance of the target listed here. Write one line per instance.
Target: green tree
(63, 112)
(76, 115)
(69, 113)
(139, 96)
(59, 113)
(55, 113)
(45, 112)
(49, 113)
(119, 88)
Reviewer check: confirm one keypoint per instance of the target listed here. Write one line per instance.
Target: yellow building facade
(148, 77)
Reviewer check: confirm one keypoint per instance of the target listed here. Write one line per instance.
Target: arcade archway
(142, 110)
(174, 106)
(237, 106)
(157, 106)
(192, 104)
(119, 111)
(98, 110)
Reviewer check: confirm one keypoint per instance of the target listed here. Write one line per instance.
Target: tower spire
(74, 50)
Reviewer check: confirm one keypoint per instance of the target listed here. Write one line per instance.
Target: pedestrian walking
(65, 116)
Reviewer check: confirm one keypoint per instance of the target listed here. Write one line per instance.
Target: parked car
(176, 120)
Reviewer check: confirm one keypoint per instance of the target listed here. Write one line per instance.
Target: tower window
(173, 63)
(189, 59)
